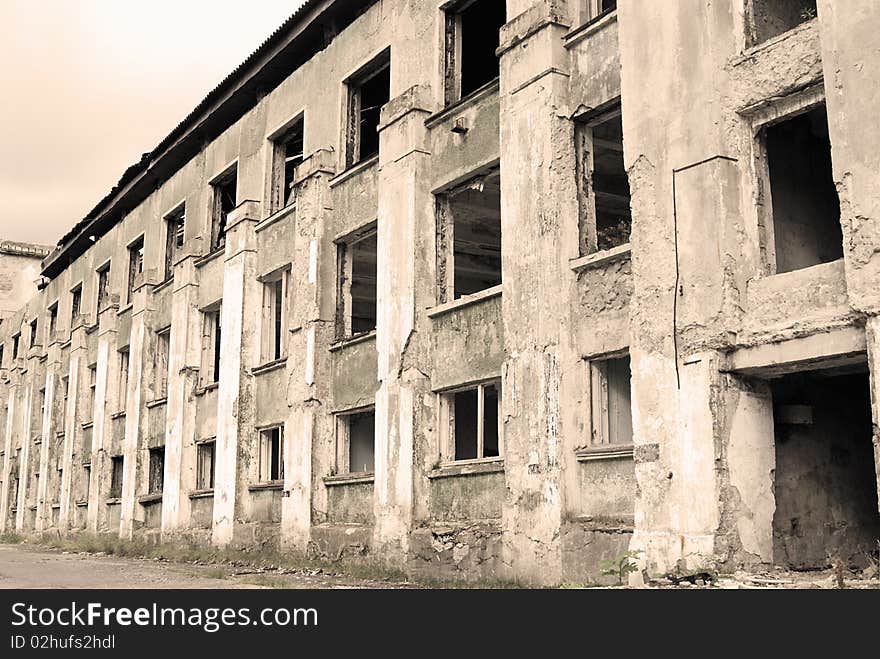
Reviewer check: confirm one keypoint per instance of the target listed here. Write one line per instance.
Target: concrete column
(183, 365)
(101, 426)
(405, 286)
(71, 428)
(538, 229)
(48, 438)
(25, 457)
(8, 450)
(235, 406)
(308, 370)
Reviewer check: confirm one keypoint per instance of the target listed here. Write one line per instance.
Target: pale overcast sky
(90, 85)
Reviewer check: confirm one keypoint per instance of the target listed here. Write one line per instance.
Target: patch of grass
(11, 538)
(268, 581)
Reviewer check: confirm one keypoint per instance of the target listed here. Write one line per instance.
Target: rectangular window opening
(135, 267)
(288, 152)
(271, 455)
(469, 238)
(116, 470)
(368, 91)
(103, 297)
(157, 470)
(770, 18)
(205, 466)
(122, 389)
(225, 199)
(472, 422)
(175, 225)
(610, 403)
(160, 363)
(275, 291)
(805, 223)
(356, 299)
(211, 345)
(472, 37)
(356, 440)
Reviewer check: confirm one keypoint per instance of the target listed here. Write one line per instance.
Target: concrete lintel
(839, 347)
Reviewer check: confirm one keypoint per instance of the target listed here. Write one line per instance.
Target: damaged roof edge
(308, 31)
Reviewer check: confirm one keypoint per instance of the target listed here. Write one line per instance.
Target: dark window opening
(361, 442)
(271, 455)
(770, 18)
(75, 305)
(205, 466)
(469, 238)
(116, 467)
(278, 312)
(225, 200)
(472, 37)
(288, 155)
(175, 224)
(16, 340)
(825, 483)
(475, 426)
(53, 321)
(368, 92)
(34, 331)
(157, 470)
(806, 208)
(135, 266)
(610, 405)
(213, 336)
(103, 297)
(357, 262)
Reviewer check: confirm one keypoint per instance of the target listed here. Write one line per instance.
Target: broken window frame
(273, 335)
(175, 230)
(156, 470)
(589, 10)
(354, 111)
(161, 360)
(445, 237)
(93, 383)
(52, 324)
(16, 345)
(761, 118)
(600, 404)
(122, 381)
(752, 36)
(343, 440)
(283, 167)
(102, 296)
(446, 423)
(135, 267)
(588, 229)
(345, 279)
(211, 344)
(117, 473)
(220, 186)
(270, 469)
(75, 304)
(205, 464)
(452, 54)
(34, 333)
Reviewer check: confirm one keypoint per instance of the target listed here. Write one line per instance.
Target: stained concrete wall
(690, 299)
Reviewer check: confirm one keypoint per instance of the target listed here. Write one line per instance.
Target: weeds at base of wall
(264, 559)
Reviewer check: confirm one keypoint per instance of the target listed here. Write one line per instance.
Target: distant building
(19, 273)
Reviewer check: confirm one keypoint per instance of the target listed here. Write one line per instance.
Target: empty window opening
(175, 225)
(610, 401)
(53, 321)
(472, 29)
(103, 297)
(85, 484)
(160, 364)
(93, 383)
(825, 483)
(357, 274)
(225, 199)
(211, 345)
(16, 341)
(287, 155)
(590, 9)
(271, 455)
(604, 215)
(368, 91)
(805, 221)
(116, 467)
(34, 333)
(273, 345)
(135, 267)
(356, 442)
(157, 470)
(75, 305)
(471, 422)
(205, 465)
(469, 238)
(770, 18)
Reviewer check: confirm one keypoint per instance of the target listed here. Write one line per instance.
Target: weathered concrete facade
(375, 297)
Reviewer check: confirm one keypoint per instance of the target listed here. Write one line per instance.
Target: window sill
(598, 259)
(468, 468)
(113, 501)
(268, 367)
(277, 216)
(606, 452)
(353, 341)
(90, 329)
(473, 98)
(124, 310)
(59, 434)
(87, 425)
(201, 391)
(466, 301)
(592, 26)
(82, 504)
(270, 486)
(149, 499)
(118, 415)
(606, 523)
(349, 479)
(210, 256)
(354, 170)
(161, 286)
(56, 506)
(201, 494)
(158, 402)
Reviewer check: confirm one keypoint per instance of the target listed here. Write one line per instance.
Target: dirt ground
(24, 566)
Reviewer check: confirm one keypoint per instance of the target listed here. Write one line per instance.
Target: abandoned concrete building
(481, 289)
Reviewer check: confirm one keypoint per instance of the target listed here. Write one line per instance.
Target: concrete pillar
(312, 297)
(71, 429)
(235, 405)
(12, 392)
(25, 456)
(97, 509)
(405, 286)
(538, 229)
(183, 372)
(48, 438)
